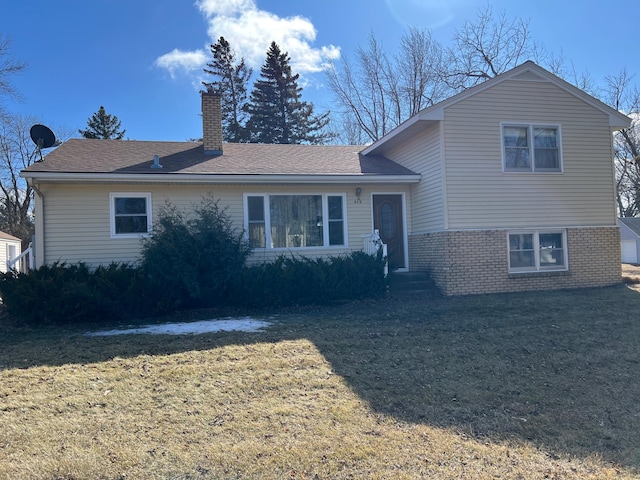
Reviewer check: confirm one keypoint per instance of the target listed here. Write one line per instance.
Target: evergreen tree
(232, 80)
(277, 113)
(103, 125)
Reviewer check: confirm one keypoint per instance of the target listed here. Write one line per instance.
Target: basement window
(130, 214)
(537, 251)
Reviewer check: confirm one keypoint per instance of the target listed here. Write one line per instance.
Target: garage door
(629, 251)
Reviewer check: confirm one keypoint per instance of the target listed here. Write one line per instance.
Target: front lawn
(536, 385)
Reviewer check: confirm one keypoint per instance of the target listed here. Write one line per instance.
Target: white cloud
(250, 31)
(212, 8)
(181, 60)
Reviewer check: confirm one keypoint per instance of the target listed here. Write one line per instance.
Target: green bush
(190, 261)
(193, 261)
(300, 280)
(61, 294)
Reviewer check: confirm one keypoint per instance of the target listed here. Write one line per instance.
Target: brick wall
(475, 262)
(427, 252)
(211, 122)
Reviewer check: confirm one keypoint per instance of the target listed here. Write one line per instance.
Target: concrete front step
(403, 282)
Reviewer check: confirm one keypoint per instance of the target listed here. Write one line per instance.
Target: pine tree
(103, 125)
(277, 113)
(232, 80)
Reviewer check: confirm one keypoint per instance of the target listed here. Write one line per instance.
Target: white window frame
(530, 127)
(112, 213)
(325, 219)
(536, 249)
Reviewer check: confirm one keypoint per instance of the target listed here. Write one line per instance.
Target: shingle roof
(633, 223)
(135, 157)
(6, 236)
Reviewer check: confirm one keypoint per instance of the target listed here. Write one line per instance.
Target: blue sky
(143, 59)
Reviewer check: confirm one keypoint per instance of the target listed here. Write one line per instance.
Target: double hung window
(531, 148)
(533, 251)
(130, 214)
(295, 221)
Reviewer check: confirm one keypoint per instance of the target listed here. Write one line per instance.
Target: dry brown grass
(631, 275)
(538, 385)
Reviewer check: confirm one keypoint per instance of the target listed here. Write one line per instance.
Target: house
(507, 186)
(10, 250)
(630, 239)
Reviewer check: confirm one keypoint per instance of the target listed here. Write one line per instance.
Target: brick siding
(475, 262)
(211, 122)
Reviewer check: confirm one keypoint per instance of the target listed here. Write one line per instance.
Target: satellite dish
(42, 136)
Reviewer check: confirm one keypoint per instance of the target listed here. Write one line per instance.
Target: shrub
(190, 261)
(193, 261)
(301, 280)
(122, 286)
(60, 293)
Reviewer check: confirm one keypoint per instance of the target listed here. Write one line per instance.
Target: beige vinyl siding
(481, 195)
(77, 220)
(358, 215)
(77, 225)
(422, 154)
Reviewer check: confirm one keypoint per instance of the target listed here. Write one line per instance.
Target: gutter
(234, 179)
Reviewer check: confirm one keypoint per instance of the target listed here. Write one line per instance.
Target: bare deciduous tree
(418, 67)
(377, 93)
(9, 66)
(621, 94)
(17, 151)
(362, 94)
(487, 47)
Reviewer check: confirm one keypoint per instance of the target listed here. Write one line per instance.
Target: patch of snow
(246, 324)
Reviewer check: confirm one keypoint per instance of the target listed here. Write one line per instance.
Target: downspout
(39, 224)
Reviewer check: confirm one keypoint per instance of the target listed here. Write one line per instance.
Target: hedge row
(63, 294)
(194, 259)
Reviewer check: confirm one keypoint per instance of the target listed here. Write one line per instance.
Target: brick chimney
(212, 123)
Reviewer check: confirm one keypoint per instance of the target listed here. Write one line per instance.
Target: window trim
(530, 127)
(112, 213)
(325, 219)
(536, 249)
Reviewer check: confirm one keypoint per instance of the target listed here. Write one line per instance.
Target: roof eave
(617, 120)
(618, 123)
(59, 177)
(426, 117)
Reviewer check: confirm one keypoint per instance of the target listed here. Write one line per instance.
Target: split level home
(507, 186)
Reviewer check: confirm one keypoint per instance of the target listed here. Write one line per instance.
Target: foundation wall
(476, 262)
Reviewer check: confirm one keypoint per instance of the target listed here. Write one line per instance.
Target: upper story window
(531, 148)
(130, 214)
(295, 221)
